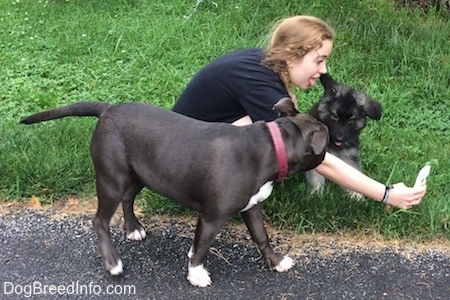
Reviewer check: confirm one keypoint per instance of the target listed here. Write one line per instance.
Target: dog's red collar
(280, 150)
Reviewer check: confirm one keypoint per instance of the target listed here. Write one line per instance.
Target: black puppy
(216, 169)
(345, 111)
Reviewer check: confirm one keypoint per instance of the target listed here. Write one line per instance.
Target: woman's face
(304, 71)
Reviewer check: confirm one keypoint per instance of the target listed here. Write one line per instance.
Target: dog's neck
(280, 150)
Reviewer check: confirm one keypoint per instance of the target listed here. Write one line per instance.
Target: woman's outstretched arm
(341, 173)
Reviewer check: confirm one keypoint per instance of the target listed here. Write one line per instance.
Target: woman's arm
(336, 170)
(348, 177)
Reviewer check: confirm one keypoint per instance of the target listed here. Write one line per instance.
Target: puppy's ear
(285, 107)
(327, 81)
(371, 108)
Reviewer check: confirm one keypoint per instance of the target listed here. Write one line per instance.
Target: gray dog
(216, 169)
(345, 111)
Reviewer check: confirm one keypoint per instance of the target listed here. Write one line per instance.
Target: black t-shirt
(232, 86)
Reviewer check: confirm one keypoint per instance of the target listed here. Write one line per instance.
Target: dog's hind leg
(206, 231)
(134, 229)
(109, 198)
(254, 220)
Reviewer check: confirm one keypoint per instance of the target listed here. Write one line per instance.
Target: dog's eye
(353, 119)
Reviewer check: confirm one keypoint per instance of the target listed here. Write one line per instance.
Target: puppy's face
(345, 111)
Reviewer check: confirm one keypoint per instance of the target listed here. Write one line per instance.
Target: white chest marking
(263, 193)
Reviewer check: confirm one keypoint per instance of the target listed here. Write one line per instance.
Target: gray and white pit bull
(216, 169)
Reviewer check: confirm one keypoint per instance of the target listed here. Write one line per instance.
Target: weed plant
(60, 52)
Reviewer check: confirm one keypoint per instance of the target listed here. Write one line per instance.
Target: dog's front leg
(315, 181)
(254, 220)
(206, 231)
(133, 227)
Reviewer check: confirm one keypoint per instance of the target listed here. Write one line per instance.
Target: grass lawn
(57, 52)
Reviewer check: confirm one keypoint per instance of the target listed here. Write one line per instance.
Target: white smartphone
(423, 174)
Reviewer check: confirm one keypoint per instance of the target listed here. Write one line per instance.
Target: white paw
(356, 196)
(198, 276)
(285, 264)
(191, 252)
(117, 269)
(137, 235)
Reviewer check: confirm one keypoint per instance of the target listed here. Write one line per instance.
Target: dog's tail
(80, 109)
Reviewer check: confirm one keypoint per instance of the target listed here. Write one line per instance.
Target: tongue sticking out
(338, 143)
(312, 81)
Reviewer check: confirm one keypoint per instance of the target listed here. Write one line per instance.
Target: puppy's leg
(355, 163)
(206, 231)
(254, 220)
(134, 229)
(316, 182)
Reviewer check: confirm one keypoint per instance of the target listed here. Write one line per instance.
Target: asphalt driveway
(48, 254)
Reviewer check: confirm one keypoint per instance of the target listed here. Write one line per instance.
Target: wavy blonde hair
(292, 38)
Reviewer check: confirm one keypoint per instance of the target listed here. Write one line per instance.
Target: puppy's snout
(337, 136)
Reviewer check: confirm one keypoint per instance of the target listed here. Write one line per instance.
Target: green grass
(59, 52)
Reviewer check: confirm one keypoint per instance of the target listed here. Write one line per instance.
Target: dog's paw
(285, 264)
(191, 252)
(356, 196)
(316, 191)
(137, 235)
(118, 269)
(198, 276)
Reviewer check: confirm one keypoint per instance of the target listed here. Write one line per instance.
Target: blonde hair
(292, 38)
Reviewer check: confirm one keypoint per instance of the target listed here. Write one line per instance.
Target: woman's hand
(401, 196)
(405, 197)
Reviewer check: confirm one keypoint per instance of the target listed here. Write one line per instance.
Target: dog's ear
(371, 108)
(285, 107)
(329, 86)
(319, 141)
(327, 81)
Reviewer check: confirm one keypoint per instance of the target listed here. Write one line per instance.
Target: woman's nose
(323, 69)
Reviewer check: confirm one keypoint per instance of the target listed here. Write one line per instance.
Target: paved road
(41, 251)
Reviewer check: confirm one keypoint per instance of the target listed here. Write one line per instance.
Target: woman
(242, 87)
